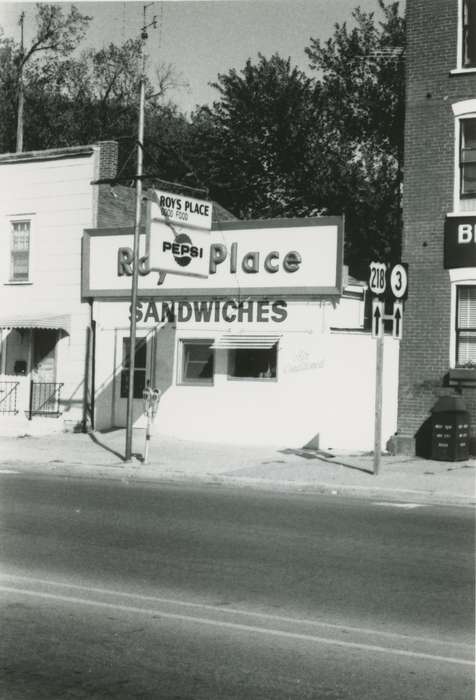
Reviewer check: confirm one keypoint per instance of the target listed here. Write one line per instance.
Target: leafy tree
(361, 75)
(57, 34)
(280, 143)
(252, 146)
(72, 100)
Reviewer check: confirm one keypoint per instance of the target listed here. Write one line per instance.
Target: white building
(47, 201)
(269, 348)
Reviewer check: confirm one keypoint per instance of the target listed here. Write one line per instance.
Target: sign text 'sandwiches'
(230, 311)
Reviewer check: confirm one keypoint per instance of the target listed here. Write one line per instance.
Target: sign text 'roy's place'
(183, 251)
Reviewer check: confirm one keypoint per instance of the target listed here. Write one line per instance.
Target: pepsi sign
(182, 249)
(177, 250)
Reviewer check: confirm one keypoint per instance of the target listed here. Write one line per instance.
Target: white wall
(325, 386)
(349, 388)
(57, 196)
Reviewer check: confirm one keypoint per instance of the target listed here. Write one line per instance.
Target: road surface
(113, 589)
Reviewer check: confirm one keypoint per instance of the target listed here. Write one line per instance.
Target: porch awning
(61, 322)
(229, 341)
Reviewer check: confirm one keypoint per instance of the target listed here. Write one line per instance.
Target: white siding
(57, 196)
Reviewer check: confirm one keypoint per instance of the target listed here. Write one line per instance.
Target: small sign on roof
(182, 210)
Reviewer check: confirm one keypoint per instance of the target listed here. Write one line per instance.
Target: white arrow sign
(397, 319)
(377, 318)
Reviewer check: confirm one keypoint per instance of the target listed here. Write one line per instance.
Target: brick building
(438, 350)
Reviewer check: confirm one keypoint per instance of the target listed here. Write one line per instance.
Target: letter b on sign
(465, 233)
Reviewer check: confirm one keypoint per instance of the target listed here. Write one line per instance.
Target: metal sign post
(135, 276)
(135, 268)
(378, 403)
(378, 285)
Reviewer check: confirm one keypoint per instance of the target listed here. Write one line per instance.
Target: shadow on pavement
(325, 457)
(105, 447)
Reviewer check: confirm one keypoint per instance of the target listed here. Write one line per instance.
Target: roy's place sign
(180, 209)
(184, 252)
(275, 259)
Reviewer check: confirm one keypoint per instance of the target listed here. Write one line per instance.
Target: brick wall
(108, 158)
(427, 198)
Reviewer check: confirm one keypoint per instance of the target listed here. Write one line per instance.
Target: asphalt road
(126, 590)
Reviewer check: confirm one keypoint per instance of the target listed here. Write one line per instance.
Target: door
(45, 393)
(44, 355)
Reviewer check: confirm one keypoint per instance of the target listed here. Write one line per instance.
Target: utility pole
(135, 268)
(20, 90)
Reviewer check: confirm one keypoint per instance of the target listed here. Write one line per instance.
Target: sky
(203, 38)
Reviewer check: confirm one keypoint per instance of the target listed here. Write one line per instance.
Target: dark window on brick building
(468, 157)
(466, 326)
(469, 34)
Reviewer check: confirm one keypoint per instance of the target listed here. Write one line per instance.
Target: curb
(131, 472)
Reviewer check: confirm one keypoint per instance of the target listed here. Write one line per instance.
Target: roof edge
(47, 154)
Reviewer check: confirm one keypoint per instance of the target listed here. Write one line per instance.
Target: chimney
(108, 156)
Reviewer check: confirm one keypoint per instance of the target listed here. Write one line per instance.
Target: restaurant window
(253, 363)
(140, 367)
(466, 326)
(197, 363)
(468, 58)
(20, 251)
(468, 158)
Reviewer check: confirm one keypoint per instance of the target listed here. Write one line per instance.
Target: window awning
(230, 341)
(61, 322)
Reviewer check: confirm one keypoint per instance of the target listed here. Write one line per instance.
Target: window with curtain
(468, 158)
(466, 326)
(469, 34)
(20, 252)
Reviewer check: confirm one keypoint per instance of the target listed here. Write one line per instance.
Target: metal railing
(8, 397)
(44, 399)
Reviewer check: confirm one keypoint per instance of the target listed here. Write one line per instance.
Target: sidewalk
(100, 455)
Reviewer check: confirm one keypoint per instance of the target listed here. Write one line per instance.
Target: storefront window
(469, 34)
(140, 367)
(466, 326)
(251, 363)
(197, 362)
(468, 157)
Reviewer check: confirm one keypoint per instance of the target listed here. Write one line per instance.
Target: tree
(56, 34)
(280, 143)
(73, 99)
(252, 146)
(362, 89)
